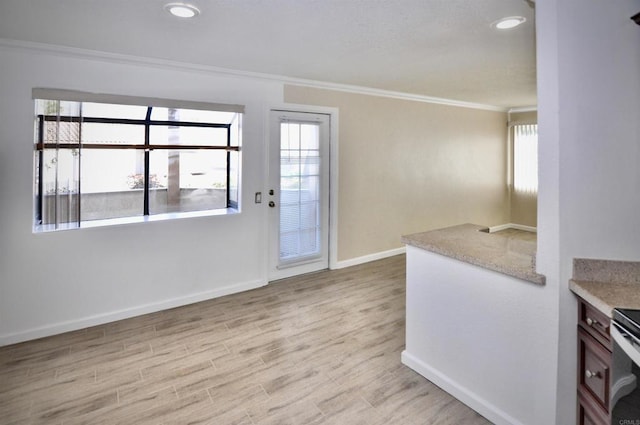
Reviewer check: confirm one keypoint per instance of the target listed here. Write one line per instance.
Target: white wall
(64, 280)
(589, 153)
(485, 337)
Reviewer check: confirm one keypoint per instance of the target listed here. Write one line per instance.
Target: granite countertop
(473, 244)
(607, 284)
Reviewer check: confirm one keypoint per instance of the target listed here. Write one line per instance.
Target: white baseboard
(463, 394)
(367, 258)
(100, 319)
(512, 226)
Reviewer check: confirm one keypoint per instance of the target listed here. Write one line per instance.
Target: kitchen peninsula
(473, 300)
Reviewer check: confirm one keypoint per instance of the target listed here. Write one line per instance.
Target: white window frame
(232, 203)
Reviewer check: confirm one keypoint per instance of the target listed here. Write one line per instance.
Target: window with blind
(300, 191)
(525, 158)
(100, 163)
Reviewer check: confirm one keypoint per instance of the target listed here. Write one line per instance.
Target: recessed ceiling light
(509, 22)
(182, 10)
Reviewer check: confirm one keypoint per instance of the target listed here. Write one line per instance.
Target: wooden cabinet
(594, 366)
(588, 414)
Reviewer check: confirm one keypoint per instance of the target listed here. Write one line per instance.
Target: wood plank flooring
(321, 349)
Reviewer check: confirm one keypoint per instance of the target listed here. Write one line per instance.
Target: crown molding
(394, 95)
(80, 53)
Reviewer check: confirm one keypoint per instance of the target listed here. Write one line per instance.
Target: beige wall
(524, 208)
(529, 117)
(406, 167)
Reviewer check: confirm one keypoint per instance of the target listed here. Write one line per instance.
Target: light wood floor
(318, 349)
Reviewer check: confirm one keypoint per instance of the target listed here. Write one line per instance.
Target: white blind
(525, 158)
(300, 195)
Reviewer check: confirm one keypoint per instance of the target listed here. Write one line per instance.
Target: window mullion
(39, 217)
(228, 167)
(55, 178)
(79, 166)
(147, 131)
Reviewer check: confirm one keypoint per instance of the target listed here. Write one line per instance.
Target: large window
(525, 158)
(101, 163)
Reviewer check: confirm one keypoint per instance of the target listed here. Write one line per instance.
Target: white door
(298, 193)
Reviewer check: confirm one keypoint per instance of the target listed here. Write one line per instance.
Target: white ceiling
(439, 48)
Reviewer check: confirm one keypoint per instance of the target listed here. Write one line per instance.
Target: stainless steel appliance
(625, 382)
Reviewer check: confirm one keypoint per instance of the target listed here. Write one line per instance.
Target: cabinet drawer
(589, 413)
(595, 323)
(594, 368)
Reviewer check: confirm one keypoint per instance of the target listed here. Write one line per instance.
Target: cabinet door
(585, 418)
(589, 413)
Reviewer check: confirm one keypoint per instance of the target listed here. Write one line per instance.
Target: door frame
(333, 176)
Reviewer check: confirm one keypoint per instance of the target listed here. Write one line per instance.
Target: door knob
(272, 204)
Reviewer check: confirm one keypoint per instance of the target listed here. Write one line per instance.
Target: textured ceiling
(440, 48)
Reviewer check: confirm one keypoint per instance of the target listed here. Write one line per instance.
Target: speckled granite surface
(468, 243)
(607, 284)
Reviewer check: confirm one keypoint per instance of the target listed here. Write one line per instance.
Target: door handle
(272, 204)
